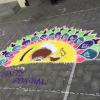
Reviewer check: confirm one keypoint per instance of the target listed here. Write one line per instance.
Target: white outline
(69, 82)
(49, 91)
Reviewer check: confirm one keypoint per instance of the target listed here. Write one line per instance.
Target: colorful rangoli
(57, 45)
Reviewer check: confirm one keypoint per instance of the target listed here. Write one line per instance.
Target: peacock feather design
(56, 45)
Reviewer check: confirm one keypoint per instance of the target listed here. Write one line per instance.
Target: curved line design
(25, 54)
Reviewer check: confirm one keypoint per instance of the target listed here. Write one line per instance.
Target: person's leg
(54, 1)
(27, 3)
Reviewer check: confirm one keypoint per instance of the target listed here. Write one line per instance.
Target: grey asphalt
(85, 85)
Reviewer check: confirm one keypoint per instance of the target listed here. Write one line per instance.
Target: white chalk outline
(69, 82)
(49, 91)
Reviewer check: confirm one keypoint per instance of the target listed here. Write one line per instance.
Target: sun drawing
(57, 45)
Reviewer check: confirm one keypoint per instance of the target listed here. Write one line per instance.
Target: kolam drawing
(56, 45)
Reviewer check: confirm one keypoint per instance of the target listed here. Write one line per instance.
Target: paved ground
(63, 81)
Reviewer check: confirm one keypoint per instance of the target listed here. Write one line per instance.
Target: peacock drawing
(56, 45)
